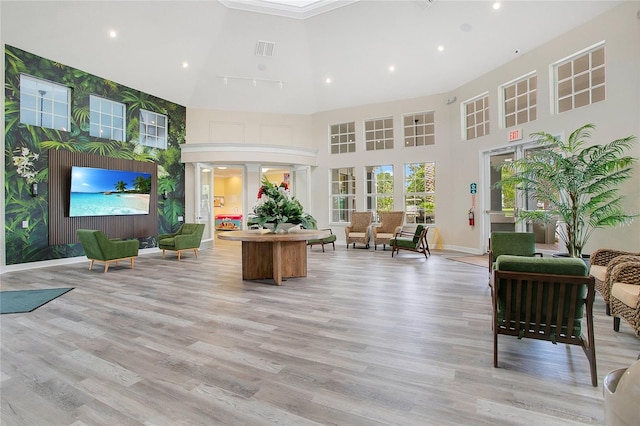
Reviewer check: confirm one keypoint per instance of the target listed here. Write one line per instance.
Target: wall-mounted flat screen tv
(104, 192)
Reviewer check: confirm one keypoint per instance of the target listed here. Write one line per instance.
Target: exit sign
(515, 135)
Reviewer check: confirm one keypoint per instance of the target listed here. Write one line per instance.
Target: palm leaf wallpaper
(27, 147)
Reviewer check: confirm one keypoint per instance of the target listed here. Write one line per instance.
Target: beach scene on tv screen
(103, 192)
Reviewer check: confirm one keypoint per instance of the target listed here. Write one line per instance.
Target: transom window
(107, 118)
(580, 79)
(343, 194)
(343, 137)
(378, 133)
(476, 117)
(419, 192)
(153, 129)
(520, 100)
(43, 103)
(419, 129)
(379, 189)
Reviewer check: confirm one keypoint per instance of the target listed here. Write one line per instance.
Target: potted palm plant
(578, 184)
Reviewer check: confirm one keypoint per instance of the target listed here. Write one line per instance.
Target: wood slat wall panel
(62, 228)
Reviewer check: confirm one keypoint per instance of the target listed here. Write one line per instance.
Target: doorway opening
(504, 203)
(227, 198)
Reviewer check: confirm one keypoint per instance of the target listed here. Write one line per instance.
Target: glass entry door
(204, 200)
(502, 204)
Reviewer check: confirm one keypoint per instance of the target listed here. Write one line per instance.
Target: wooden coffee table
(266, 255)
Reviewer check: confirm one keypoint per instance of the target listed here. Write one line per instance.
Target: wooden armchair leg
(195, 251)
(132, 263)
(91, 264)
(495, 347)
(616, 323)
(106, 266)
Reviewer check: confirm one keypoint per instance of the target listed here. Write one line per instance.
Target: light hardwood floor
(365, 339)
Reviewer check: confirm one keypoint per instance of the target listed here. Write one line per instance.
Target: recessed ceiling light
(392, 68)
(496, 6)
(113, 34)
(440, 48)
(185, 64)
(328, 80)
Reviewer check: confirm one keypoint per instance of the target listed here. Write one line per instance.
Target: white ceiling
(353, 44)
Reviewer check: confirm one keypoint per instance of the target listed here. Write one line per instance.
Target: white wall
(457, 161)
(616, 117)
(216, 126)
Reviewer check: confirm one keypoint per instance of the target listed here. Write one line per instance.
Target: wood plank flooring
(365, 339)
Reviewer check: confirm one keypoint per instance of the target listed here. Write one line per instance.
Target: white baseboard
(64, 261)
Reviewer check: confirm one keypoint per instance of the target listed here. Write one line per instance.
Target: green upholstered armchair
(545, 299)
(330, 238)
(98, 247)
(413, 241)
(513, 243)
(187, 237)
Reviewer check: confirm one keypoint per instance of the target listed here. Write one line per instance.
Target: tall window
(520, 100)
(378, 133)
(343, 137)
(153, 129)
(43, 103)
(580, 79)
(419, 192)
(379, 189)
(419, 129)
(476, 117)
(107, 118)
(343, 194)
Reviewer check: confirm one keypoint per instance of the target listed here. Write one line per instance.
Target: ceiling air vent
(265, 48)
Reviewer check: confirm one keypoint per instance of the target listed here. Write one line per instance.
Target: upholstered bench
(329, 239)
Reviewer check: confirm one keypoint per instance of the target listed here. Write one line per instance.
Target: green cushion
(326, 240)
(515, 243)
(402, 242)
(542, 265)
(416, 235)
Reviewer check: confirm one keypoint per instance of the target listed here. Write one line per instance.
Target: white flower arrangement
(24, 164)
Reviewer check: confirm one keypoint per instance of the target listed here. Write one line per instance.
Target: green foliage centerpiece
(579, 184)
(276, 206)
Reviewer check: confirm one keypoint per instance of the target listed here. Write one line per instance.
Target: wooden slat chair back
(544, 299)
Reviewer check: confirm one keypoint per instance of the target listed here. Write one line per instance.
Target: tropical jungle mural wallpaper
(27, 147)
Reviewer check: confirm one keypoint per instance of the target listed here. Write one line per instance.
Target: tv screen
(103, 192)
